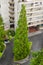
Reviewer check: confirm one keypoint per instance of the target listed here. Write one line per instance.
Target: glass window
(12, 18)
(22, 0)
(41, 3)
(12, 0)
(30, 19)
(31, 9)
(32, 4)
(41, 20)
(11, 4)
(36, 2)
(12, 26)
(11, 21)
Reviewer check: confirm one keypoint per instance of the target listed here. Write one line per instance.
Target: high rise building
(5, 13)
(11, 13)
(10, 10)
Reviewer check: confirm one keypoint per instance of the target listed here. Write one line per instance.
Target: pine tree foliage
(22, 45)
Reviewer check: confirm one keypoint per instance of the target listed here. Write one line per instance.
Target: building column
(16, 13)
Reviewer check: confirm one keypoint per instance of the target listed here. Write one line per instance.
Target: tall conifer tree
(21, 44)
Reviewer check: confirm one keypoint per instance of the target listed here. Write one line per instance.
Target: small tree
(21, 44)
(37, 58)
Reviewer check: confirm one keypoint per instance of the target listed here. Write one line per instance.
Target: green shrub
(0, 54)
(2, 33)
(22, 45)
(37, 58)
(1, 46)
(10, 33)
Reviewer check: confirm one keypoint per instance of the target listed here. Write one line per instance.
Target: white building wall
(37, 16)
(17, 8)
(0, 6)
(5, 12)
(16, 12)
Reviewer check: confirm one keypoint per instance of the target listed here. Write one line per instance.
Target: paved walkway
(7, 57)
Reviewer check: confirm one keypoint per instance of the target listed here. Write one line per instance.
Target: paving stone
(7, 58)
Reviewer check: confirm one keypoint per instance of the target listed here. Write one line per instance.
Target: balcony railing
(11, 12)
(12, 16)
(35, 24)
(11, 2)
(11, 7)
(11, 20)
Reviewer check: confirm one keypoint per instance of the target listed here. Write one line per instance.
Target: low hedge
(37, 58)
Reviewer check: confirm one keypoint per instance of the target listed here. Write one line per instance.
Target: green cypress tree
(21, 44)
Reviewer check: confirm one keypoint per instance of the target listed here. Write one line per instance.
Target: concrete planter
(23, 61)
(3, 51)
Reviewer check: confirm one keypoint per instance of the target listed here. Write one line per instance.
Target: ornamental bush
(2, 33)
(22, 45)
(10, 32)
(37, 58)
(1, 47)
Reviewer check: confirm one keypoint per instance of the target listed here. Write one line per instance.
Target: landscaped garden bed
(10, 34)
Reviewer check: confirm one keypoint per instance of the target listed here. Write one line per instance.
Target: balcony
(28, 4)
(34, 23)
(11, 12)
(11, 7)
(11, 2)
(11, 20)
(11, 16)
(12, 25)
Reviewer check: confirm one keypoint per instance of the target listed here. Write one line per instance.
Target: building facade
(5, 13)
(34, 11)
